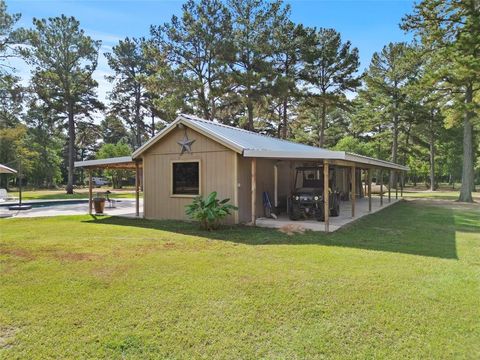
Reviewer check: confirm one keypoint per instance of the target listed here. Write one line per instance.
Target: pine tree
(251, 64)
(8, 37)
(197, 44)
(63, 60)
(289, 40)
(129, 98)
(330, 71)
(449, 31)
(389, 73)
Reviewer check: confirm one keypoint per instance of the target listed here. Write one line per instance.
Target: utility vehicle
(306, 200)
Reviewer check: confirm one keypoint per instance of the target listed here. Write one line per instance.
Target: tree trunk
(213, 109)
(71, 150)
(393, 175)
(204, 104)
(432, 155)
(467, 169)
(138, 124)
(285, 119)
(250, 115)
(407, 143)
(153, 124)
(321, 140)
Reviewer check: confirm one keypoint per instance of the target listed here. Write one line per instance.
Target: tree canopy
(247, 63)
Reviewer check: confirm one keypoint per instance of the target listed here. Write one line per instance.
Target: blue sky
(369, 25)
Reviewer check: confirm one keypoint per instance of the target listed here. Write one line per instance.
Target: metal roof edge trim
(331, 155)
(372, 161)
(107, 161)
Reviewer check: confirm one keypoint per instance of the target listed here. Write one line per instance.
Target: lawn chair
(4, 196)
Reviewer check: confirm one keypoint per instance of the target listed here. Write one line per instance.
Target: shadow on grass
(468, 222)
(406, 228)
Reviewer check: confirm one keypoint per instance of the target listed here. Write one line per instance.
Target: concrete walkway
(361, 209)
(123, 207)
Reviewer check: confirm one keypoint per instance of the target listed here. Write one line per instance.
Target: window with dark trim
(186, 178)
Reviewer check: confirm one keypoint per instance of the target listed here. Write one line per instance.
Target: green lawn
(442, 195)
(401, 283)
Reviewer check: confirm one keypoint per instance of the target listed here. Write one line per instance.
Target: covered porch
(118, 163)
(335, 223)
(351, 177)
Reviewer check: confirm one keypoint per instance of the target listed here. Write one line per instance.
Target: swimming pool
(45, 203)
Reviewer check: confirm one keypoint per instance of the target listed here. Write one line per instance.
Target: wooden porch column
(326, 205)
(402, 179)
(275, 184)
(254, 190)
(365, 175)
(369, 179)
(137, 189)
(354, 189)
(90, 190)
(390, 188)
(396, 185)
(381, 187)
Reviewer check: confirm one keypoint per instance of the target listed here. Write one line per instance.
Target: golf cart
(307, 198)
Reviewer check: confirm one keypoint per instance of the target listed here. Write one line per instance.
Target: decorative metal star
(185, 144)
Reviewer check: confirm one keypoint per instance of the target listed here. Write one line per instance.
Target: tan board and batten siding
(221, 170)
(265, 182)
(217, 173)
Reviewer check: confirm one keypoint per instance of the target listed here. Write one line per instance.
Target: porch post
(90, 202)
(390, 188)
(396, 185)
(381, 187)
(402, 179)
(369, 178)
(275, 184)
(137, 190)
(354, 189)
(254, 190)
(365, 176)
(326, 205)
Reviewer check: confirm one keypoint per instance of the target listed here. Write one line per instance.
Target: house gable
(168, 145)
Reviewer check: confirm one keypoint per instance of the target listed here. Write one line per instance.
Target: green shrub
(209, 211)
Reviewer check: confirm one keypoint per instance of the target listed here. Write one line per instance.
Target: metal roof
(123, 162)
(6, 170)
(251, 144)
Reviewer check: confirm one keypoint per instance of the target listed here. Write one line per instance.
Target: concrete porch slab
(361, 209)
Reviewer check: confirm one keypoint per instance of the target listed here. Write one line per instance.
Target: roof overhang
(324, 155)
(6, 170)
(123, 162)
